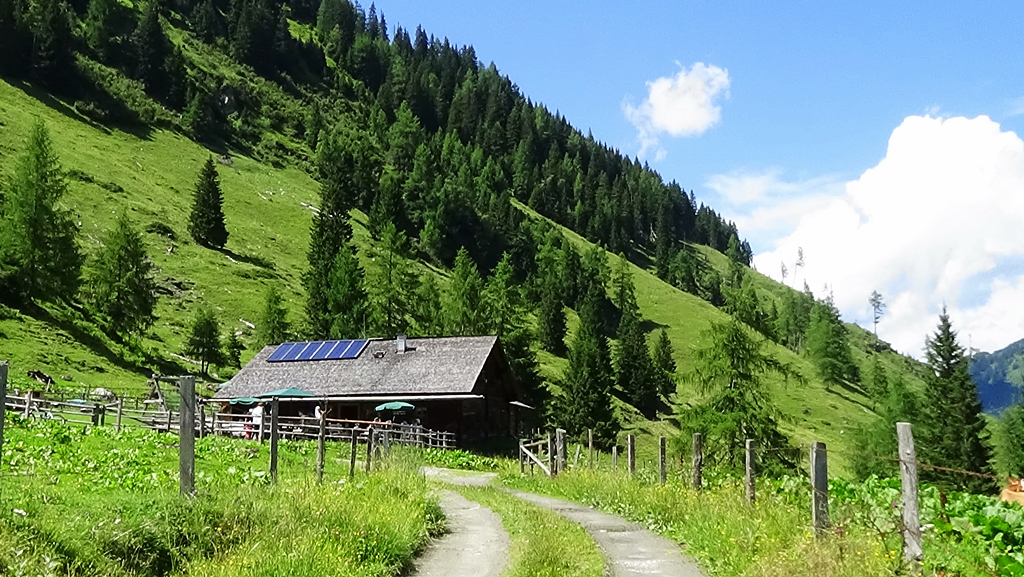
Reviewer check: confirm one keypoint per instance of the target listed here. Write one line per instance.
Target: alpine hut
(463, 385)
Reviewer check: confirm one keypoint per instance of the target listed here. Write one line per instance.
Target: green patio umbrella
(290, 392)
(394, 406)
(244, 401)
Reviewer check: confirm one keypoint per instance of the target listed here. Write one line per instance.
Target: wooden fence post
(120, 408)
(750, 470)
(552, 464)
(275, 407)
(28, 405)
(590, 447)
(560, 449)
(187, 435)
(615, 458)
(698, 461)
(369, 447)
(352, 457)
(3, 405)
(576, 458)
(321, 446)
(202, 420)
(631, 454)
(169, 415)
(819, 487)
(522, 463)
(662, 462)
(908, 478)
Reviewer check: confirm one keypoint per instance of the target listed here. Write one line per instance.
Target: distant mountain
(995, 374)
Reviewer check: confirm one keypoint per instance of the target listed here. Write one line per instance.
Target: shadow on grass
(98, 345)
(847, 398)
(55, 104)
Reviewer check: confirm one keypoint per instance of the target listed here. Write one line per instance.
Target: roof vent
(401, 344)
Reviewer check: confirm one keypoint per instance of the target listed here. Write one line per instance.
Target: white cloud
(939, 220)
(680, 105)
(765, 206)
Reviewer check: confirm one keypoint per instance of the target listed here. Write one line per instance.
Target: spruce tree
(151, 48)
(953, 433)
(462, 308)
(665, 364)
(99, 27)
(551, 313)
(52, 44)
(206, 223)
(343, 174)
(15, 39)
(391, 284)
(273, 328)
(586, 399)
(635, 374)
(203, 342)
(121, 285)
(39, 254)
(828, 345)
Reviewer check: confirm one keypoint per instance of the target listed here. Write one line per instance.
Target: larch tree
(206, 222)
(39, 254)
(954, 430)
(273, 327)
(347, 302)
(730, 372)
(203, 342)
(462, 308)
(121, 287)
(391, 283)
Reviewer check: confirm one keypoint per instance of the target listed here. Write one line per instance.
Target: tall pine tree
(665, 364)
(586, 399)
(954, 432)
(635, 375)
(206, 223)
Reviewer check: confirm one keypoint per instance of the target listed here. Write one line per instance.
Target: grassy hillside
(150, 175)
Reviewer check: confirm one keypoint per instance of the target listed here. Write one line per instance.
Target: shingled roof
(434, 366)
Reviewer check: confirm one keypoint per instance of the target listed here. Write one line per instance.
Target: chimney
(401, 344)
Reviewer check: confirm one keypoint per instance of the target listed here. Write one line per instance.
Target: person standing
(257, 418)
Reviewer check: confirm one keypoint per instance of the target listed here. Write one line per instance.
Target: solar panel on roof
(324, 351)
(318, 351)
(354, 350)
(282, 350)
(307, 353)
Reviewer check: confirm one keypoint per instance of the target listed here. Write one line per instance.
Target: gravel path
(476, 544)
(629, 550)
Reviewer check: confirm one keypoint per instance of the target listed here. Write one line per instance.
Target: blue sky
(815, 91)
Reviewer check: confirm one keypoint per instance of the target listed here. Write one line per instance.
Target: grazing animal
(1013, 492)
(40, 376)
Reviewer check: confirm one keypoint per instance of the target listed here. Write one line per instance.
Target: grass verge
(94, 503)
(543, 542)
(727, 537)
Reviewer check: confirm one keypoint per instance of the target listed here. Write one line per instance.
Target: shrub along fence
(550, 453)
(191, 420)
